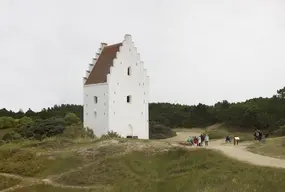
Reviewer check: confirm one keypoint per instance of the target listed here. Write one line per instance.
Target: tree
(281, 93)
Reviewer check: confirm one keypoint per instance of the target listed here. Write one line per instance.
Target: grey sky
(194, 50)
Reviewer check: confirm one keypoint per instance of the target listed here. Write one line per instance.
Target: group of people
(199, 140)
(258, 135)
(235, 138)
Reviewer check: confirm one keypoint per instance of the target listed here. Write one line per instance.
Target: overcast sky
(194, 50)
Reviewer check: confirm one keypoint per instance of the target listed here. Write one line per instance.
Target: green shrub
(158, 131)
(11, 136)
(7, 122)
(24, 121)
(71, 119)
(279, 132)
(77, 131)
(110, 134)
(41, 129)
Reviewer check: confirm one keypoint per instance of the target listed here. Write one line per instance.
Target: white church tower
(116, 90)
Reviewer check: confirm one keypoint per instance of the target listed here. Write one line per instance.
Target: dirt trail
(236, 152)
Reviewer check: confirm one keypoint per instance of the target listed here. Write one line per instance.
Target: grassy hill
(54, 165)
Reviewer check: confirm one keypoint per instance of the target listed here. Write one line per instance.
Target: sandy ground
(237, 152)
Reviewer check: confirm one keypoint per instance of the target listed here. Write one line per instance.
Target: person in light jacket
(206, 140)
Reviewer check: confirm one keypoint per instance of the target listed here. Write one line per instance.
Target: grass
(4, 131)
(274, 147)
(6, 182)
(40, 159)
(196, 170)
(177, 170)
(28, 163)
(46, 188)
(222, 132)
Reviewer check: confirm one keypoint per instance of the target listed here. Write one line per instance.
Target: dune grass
(39, 159)
(274, 147)
(46, 188)
(107, 169)
(6, 182)
(176, 170)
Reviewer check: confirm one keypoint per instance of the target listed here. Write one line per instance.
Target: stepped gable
(102, 66)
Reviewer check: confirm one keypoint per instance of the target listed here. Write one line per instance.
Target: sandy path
(236, 152)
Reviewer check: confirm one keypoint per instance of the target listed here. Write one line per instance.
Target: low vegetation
(272, 147)
(6, 182)
(120, 165)
(158, 131)
(48, 188)
(263, 113)
(222, 131)
(53, 144)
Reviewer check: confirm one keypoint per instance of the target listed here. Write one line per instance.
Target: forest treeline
(262, 113)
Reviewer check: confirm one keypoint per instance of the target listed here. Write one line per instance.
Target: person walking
(206, 140)
(199, 141)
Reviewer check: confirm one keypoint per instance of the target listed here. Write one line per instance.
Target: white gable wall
(96, 114)
(128, 118)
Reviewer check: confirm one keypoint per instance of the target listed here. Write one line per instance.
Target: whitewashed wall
(96, 114)
(113, 113)
(128, 118)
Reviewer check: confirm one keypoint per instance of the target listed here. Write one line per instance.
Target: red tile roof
(102, 67)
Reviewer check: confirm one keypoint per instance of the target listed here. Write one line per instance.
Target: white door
(130, 130)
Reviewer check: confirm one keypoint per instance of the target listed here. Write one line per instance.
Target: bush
(110, 134)
(11, 136)
(77, 131)
(43, 128)
(71, 119)
(279, 132)
(158, 131)
(24, 121)
(7, 122)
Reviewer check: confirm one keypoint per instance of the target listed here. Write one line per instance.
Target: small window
(129, 71)
(95, 99)
(95, 114)
(129, 98)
